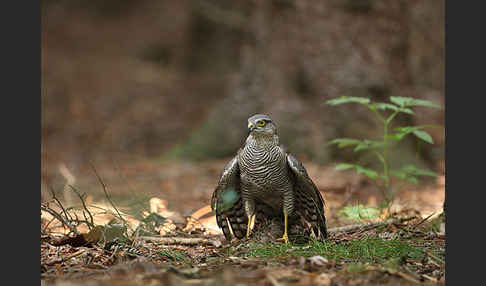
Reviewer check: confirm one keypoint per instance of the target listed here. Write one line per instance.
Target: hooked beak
(251, 126)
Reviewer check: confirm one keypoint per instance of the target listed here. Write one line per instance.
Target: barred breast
(263, 172)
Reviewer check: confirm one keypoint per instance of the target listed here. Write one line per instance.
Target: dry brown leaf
(322, 279)
(318, 261)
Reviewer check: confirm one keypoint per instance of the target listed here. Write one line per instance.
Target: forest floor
(126, 228)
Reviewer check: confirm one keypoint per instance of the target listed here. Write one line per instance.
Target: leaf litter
(188, 254)
(165, 248)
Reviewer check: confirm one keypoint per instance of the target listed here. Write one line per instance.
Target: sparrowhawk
(265, 179)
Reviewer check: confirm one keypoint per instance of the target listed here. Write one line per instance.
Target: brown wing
(309, 202)
(227, 202)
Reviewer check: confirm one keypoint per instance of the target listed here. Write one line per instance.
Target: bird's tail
(232, 220)
(312, 213)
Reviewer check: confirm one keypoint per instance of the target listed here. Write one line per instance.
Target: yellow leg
(251, 224)
(285, 237)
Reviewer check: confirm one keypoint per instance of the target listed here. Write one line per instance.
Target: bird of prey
(265, 179)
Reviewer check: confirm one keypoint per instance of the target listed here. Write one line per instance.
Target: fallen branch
(394, 272)
(59, 218)
(368, 226)
(61, 260)
(181, 240)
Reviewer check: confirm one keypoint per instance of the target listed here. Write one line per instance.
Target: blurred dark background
(177, 79)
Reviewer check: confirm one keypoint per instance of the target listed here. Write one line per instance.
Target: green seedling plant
(386, 112)
(359, 213)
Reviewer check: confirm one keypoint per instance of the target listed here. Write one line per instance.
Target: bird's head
(261, 124)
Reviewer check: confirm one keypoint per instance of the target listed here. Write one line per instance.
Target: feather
(309, 199)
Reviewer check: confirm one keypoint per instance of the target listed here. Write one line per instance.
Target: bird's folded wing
(308, 191)
(226, 201)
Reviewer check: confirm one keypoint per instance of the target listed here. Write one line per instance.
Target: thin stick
(60, 218)
(433, 256)
(181, 240)
(105, 191)
(60, 260)
(422, 221)
(47, 225)
(395, 272)
(366, 226)
(272, 280)
(84, 205)
(406, 277)
(430, 278)
(59, 203)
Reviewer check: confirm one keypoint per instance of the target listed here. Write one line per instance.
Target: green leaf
(344, 142)
(412, 179)
(409, 101)
(421, 102)
(404, 176)
(383, 106)
(406, 110)
(424, 136)
(348, 99)
(343, 166)
(407, 129)
(360, 170)
(369, 144)
(412, 170)
(402, 131)
(106, 233)
(367, 172)
(155, 219)
(359, 212)
(409, 172)
(400, 100)
(150, 224)
(361, 146)
(396, 136)
(399, 174)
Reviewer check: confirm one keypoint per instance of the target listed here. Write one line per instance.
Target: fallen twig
(434, 256)
(181, 240)
(423, 220)
(395, 272)
(53, 193)
(60, 260)
(60, 218)
(91, 224)
(105, 191)
(430, 278)
(367, 226)
(405, 276)
(272, 280)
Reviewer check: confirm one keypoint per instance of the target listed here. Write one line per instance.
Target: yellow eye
(261, 123)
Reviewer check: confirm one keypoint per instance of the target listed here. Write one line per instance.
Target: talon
(251, 224)
(284, 238)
